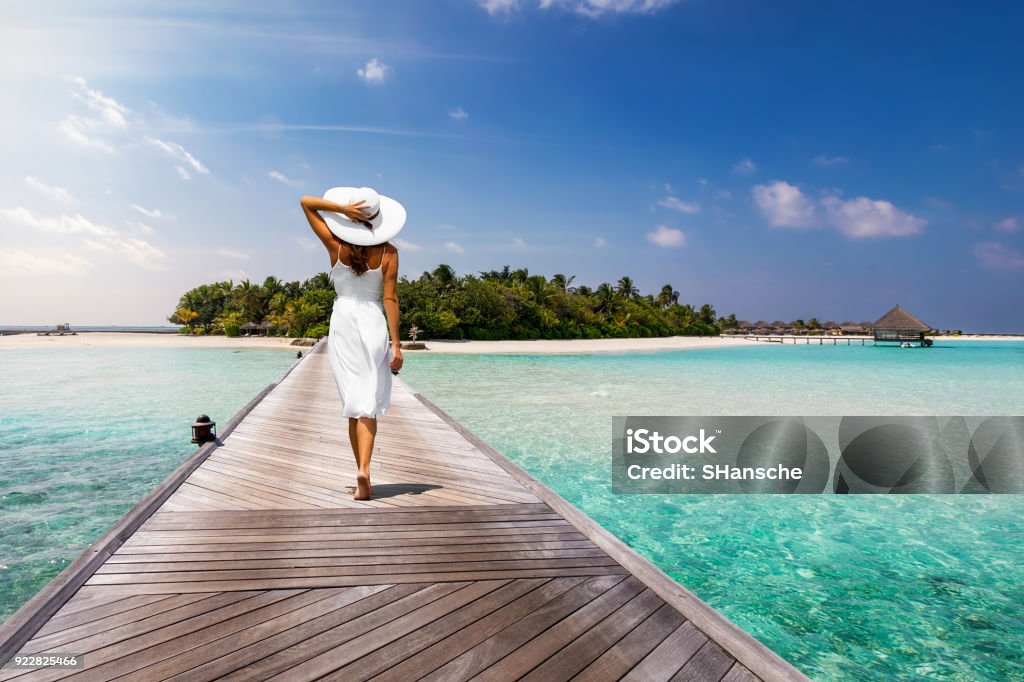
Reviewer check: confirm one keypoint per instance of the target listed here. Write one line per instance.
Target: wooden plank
(668, 657)
(441, 653)
(218, 660)
(409, 622)
(484, 653)
(383, 561)
(593, 642)
(295, 582)
(712, 662)
(145, 577)
(738, 673)
(627, 652)
(388, 656)
(341, 634)
(346, 551)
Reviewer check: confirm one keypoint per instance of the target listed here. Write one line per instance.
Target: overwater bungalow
(899, 326)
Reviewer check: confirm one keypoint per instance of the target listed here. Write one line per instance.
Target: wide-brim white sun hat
(388, 216)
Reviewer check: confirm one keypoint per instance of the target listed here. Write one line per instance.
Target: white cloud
(1008, 225)
(864, 218)
(824, 160)
(374, 72)
(996, 256)
(499, 6)
(228, 253)
(75, 129)
(98, 237)
(182, 173)
(61, 224)
(23, 263)
(667, 237)
(677, 204)
(600, 242)
(744, 167)
(284, 179)
(106, 116)
(453, 247)
(784, 205)
(138, 251)
(109, 110)
(56, 193)
(519, 243)
(179, 154)
(141, 228)
(596, 8)
(149, 213)
(458, 113)
(408, 246)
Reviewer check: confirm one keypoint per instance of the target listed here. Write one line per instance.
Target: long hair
(360, 258)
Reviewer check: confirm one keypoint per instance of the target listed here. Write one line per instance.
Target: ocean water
(858, 587)
(86, 433)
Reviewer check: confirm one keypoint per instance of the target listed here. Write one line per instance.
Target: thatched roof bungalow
(899, 326)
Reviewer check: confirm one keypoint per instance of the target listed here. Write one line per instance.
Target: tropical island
(494, 305)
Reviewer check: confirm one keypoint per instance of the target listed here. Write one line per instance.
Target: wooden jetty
(251, 561)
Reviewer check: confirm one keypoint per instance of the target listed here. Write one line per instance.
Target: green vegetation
(498, 304)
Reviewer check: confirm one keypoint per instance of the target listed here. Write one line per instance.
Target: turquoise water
(861, 587)
(87, 433)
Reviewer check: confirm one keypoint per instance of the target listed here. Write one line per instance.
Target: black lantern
(204, 430)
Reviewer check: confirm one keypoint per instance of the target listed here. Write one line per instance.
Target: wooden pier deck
(252, 562)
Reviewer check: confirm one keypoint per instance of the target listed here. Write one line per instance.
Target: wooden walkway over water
(252, 562)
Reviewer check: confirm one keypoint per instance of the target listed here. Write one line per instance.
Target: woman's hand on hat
(354, 212)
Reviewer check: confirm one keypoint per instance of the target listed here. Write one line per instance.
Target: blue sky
(778, 160)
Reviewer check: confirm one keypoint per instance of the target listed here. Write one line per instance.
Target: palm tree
(667, 296)
(539, 287)
(813, 323)
(249, 298)
(626, 288)
(563, 282)
(503, 275)
(707, 314)
(444, 276)
(606, 298)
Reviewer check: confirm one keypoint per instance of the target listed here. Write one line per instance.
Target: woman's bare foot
(363, 489)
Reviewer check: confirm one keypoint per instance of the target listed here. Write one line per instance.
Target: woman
(364, 267)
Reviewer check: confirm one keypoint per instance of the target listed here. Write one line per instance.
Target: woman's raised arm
(312, 206)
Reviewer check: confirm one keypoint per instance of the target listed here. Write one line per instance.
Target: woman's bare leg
(366, 433)
(353, 438)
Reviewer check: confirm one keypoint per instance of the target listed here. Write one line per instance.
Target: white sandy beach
(546, 346)
(143, 340)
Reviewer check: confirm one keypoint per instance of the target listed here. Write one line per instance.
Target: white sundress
(357, 343)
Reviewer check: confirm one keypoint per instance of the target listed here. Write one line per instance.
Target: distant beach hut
(745, 325)
(852, 328)
(248, 328)
(265, 327)
(899, 326)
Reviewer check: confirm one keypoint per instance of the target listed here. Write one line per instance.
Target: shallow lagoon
(860, 587)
